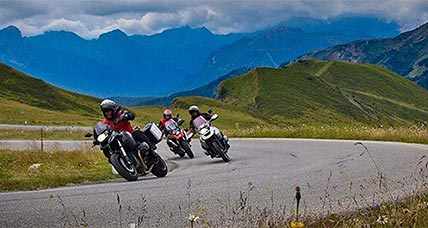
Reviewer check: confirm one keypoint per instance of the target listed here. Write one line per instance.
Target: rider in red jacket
(118, 118)
(167, 115)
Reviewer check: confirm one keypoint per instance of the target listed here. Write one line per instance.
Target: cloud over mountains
(93, 17)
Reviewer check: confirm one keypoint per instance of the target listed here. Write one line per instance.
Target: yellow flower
(297, 224)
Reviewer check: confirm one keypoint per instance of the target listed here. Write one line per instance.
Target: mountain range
(405, 54)
(117, 64)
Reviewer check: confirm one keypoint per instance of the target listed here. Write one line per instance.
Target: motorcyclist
(118, 118)
(167, 115)
(195, 112)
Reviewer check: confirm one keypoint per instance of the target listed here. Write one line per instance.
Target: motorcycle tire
(186, 147)
(129, 173)
(181, 154)
(221, 152)
(160, 169)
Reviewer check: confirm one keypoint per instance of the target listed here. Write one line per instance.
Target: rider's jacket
(163, 121)
(119, 123)
(206, 116)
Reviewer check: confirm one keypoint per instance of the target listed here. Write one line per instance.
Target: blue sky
(89, 18)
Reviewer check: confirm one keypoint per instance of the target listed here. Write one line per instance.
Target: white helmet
(193, 108)
(108, 105)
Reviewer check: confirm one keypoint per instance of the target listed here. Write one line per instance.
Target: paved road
(262, 174)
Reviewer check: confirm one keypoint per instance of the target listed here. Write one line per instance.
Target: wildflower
(406, 211)
(423, 205)
(355, 220)
(193, 218)
(297, 224)
(382, 220)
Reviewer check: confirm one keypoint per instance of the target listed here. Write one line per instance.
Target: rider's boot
(147, 153)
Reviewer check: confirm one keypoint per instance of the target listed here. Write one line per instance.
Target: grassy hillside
(230, 117)
(405, 54)
(27, 99)
(334, 93)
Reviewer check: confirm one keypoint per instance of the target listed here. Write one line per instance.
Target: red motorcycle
(177, 138)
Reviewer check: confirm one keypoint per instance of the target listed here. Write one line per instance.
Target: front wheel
(160, 169)
(127, 171)
(223, 153)
(186, 147)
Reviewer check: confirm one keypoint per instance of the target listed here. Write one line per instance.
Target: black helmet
(108, 105)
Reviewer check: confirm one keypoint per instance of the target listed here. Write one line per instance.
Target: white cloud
(90, 18)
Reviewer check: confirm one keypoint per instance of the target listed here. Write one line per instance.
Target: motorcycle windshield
(100, 128)
(199, 122)
(171, 125)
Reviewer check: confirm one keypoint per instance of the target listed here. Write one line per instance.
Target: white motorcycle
(212, 140)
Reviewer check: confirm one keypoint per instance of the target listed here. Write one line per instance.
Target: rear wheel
(160, 169)
(186, 147)
(127, 171)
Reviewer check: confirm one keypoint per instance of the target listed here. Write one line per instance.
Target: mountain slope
(288, 40)
(23, 98)
(406, 54)
(314, 92)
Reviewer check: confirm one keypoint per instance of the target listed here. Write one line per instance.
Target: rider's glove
(128, 116)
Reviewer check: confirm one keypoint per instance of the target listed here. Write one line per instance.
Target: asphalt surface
(333, 175)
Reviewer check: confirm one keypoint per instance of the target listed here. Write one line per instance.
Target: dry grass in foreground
(31, 170)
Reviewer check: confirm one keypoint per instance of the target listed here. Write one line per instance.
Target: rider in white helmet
(195, 113)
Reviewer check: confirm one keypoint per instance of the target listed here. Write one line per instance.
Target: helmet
(108, 105)
(194, 110)
(167, 114)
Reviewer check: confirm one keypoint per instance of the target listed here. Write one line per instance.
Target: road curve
(264, 172)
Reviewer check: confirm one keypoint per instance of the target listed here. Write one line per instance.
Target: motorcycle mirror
(214, 117)
(178, 115)
(210, 110)
(180, 122)
(88, 135)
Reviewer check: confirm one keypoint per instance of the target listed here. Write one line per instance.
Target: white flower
(193, 218)
(382, 220)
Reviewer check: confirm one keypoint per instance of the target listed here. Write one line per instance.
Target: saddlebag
(153, 133)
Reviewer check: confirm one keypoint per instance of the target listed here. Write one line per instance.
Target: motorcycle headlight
(204, 131)
(102, 137)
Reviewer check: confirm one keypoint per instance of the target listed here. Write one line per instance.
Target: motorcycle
(129, 164)
(212, 140)
(177, 139)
